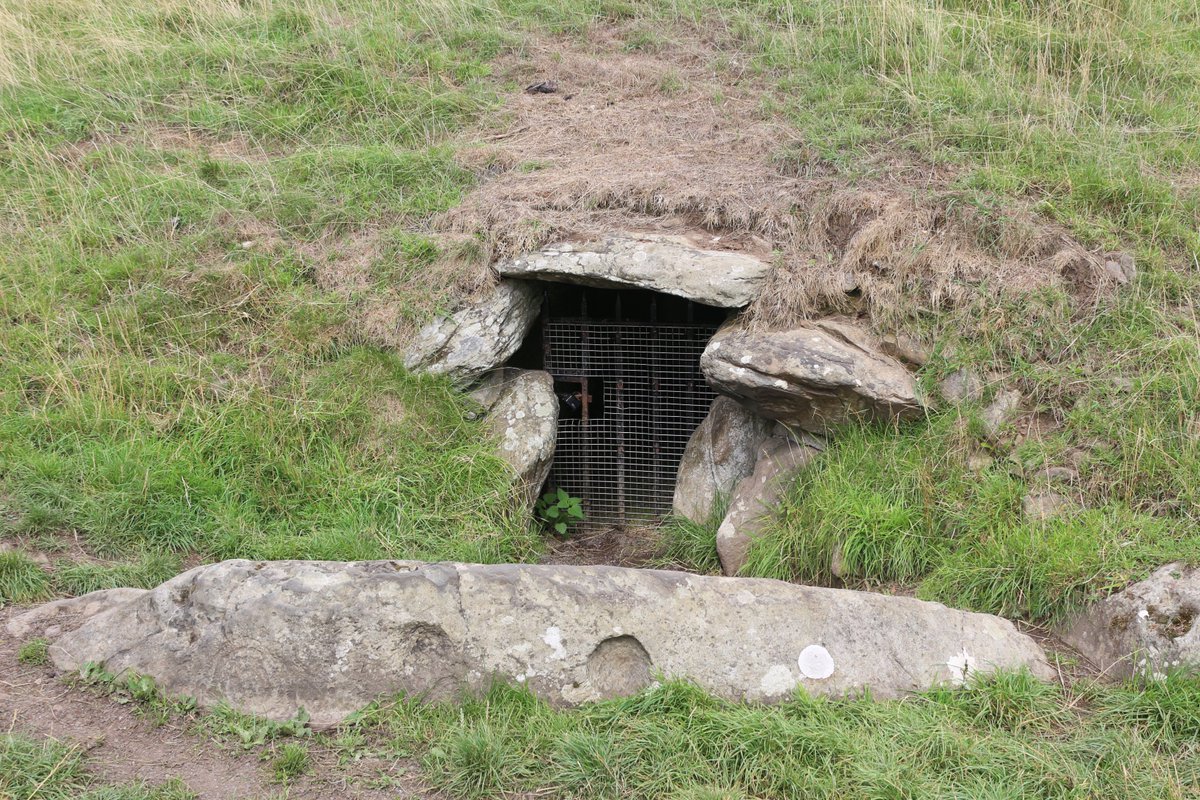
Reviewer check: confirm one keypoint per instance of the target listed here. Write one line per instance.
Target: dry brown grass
(667, 142)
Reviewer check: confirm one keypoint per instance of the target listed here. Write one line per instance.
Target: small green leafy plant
(249, 731)
(557, 510)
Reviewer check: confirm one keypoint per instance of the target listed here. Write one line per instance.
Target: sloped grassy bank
(184, 185)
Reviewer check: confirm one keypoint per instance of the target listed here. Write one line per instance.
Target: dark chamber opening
(626, 367)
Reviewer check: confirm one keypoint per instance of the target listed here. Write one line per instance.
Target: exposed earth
(124, 745)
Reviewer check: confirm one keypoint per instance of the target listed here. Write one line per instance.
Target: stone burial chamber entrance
(626, 371)
(620, 370)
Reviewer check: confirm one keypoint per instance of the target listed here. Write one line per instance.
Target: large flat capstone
(272, 637)
(817, 376)
(667, 264)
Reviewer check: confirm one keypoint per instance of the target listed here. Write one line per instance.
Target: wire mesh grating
(631, 395)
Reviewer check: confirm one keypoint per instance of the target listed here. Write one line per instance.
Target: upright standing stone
(757, 496)
(522, 411)
(720, 453)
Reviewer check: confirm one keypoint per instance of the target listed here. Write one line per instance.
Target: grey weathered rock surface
(666, 264)
(522, 411)
(1056, 474)
(57, 617)
(1042, 506)
(757, 496)
(1000, 412)
(1147, 628)
(961, 386)
(978, 462)
(720, 453)
(478, 337)
(1121, 267)
(905, 348)
(271, 637)
(815, 377)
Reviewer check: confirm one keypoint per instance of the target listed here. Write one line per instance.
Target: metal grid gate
(631, 395)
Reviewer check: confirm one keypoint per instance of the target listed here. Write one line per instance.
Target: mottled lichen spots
(778, 680)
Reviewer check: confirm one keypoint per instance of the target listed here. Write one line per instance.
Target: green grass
(1009, 736)
(34, 653)
(56, 771)
(692, 545)
(290, 762)
(906, 508)
(166, 390)
(21, 579)
(1084, 108)
(73, 578)
(176, 377)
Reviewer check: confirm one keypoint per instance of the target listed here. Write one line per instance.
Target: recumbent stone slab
(272, 637)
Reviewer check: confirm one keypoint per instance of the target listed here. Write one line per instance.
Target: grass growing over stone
(175, 378)
(884, 507)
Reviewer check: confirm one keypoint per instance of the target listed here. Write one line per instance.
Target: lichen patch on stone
(777, 681)
(961, 667)
(553, 639)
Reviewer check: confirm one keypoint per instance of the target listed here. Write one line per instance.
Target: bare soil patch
(123, 747)
(673, 142)
(618, 547)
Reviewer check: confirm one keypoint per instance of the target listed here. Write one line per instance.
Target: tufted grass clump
(887, 508)
(77, 578)
(290, 761)
(21, 579)
(34, 653)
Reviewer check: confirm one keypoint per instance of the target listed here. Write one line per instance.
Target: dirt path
(124, 747)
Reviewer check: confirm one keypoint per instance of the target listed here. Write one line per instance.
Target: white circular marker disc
(815, 662)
